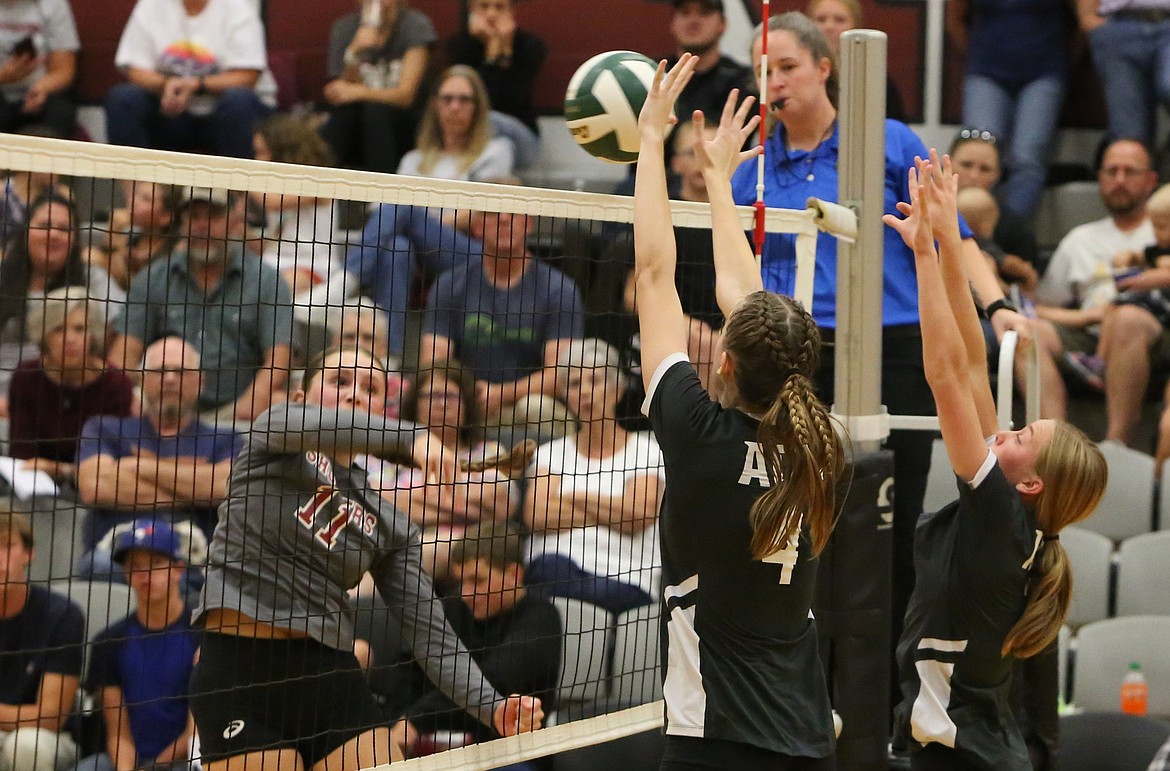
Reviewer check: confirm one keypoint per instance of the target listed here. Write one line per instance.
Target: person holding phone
(38, 62)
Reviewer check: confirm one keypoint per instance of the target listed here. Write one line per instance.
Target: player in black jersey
(750, 478)
(993, 581)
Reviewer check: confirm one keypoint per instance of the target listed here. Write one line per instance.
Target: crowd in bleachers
(135, 354)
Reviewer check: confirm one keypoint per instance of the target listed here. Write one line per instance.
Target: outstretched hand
(722, 154)
(914, 227)
(657, 114)
(942, 188)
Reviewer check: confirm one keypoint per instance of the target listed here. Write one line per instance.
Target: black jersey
(739, 642)
(972, 559)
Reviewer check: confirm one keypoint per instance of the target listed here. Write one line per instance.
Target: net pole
(860, 263)
(766, 12)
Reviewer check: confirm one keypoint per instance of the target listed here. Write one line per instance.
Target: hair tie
(1050, 537)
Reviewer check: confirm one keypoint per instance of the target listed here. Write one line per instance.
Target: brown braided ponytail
(775, 347)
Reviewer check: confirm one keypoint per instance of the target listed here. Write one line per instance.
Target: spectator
(299, 240)
(506, 317)
(455, 137)
(977, 163)
(442, 400)
(1017, 62)
(42, 635)
(22, 187)
(514, 636)
(139, 232)
(376, 68)
(696, 27)
(1129, 41)
(38, 61)
(1078, 284)
(165, 463)
(836, 16)
(592, 503)
(508, 59)
(140, 666)
(197, 74)
(45, 255)
(51, 397)
(223, 300)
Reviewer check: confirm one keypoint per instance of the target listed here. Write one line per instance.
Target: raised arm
(942, 187)
(288, 428)
(944, 355)
(662, 326)
(736, 272)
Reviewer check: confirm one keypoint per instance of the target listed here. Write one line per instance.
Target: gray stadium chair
(1127, 507)
(1091, 555)
(1104, 650)
(102, 603)
(1109, 741)
(1164, 498)
(940, 484)
(636, 654)
(585, 658)
(1143, 575)
(57, 530)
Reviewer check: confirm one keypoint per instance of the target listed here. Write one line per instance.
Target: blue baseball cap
(149, 534)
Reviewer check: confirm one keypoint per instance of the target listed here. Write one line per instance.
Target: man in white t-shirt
(38, 61)
(198, 77)
(1076, 291)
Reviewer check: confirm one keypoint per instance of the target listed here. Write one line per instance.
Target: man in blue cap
(140, 665)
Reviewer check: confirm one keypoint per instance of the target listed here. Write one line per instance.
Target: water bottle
(1134, 691)
(372, 13)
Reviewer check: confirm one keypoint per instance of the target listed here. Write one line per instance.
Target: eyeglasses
(1122, 171)
(978, 135)
(456, 99)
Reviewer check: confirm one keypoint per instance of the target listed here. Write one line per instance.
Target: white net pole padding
(539, 744)
(833, 218)
(860, 265)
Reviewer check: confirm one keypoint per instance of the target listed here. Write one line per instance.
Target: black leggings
(685, 753)
(936, 757)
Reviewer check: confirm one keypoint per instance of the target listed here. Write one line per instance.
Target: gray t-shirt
(51, 26)
(233, 326)
(383, 68)
(298, 531)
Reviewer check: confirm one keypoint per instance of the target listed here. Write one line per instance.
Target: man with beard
(164, 464)
(232, 307)
(1075, 293)
(697, 26)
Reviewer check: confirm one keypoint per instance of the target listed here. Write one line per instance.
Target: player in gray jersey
(277, 684)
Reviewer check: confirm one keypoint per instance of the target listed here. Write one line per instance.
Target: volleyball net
(499, 313)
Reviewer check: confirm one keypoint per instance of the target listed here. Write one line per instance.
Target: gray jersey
(298, 531)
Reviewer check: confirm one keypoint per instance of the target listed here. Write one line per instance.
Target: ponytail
(1049, 592)
(804, 458)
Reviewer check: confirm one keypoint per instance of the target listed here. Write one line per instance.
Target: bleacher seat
(1063, 643)
(1127, 507)
(1104, 650)
(636, 655)
(57, 535)
(1091, 556)
(1109, 741)
(585, 657)
(1143, 575)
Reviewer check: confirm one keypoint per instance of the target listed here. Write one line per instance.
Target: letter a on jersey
(754, 467)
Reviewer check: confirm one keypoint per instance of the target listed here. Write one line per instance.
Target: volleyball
(603, 100)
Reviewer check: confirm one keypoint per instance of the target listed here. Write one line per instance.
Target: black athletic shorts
(686, 753)
(249, 695)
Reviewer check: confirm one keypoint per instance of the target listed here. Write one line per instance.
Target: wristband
(999, 305)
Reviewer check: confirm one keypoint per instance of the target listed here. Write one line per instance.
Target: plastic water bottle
(1134, 691)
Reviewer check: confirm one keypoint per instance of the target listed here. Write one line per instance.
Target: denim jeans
(134, 117)
(1133, 60)
(393, 240)
(1025, 121)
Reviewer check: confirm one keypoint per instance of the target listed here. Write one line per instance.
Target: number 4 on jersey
(786, 559)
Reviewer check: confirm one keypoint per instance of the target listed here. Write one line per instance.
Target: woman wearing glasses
(455, 137)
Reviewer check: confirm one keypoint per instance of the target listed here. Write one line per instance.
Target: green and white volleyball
(603, 100)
